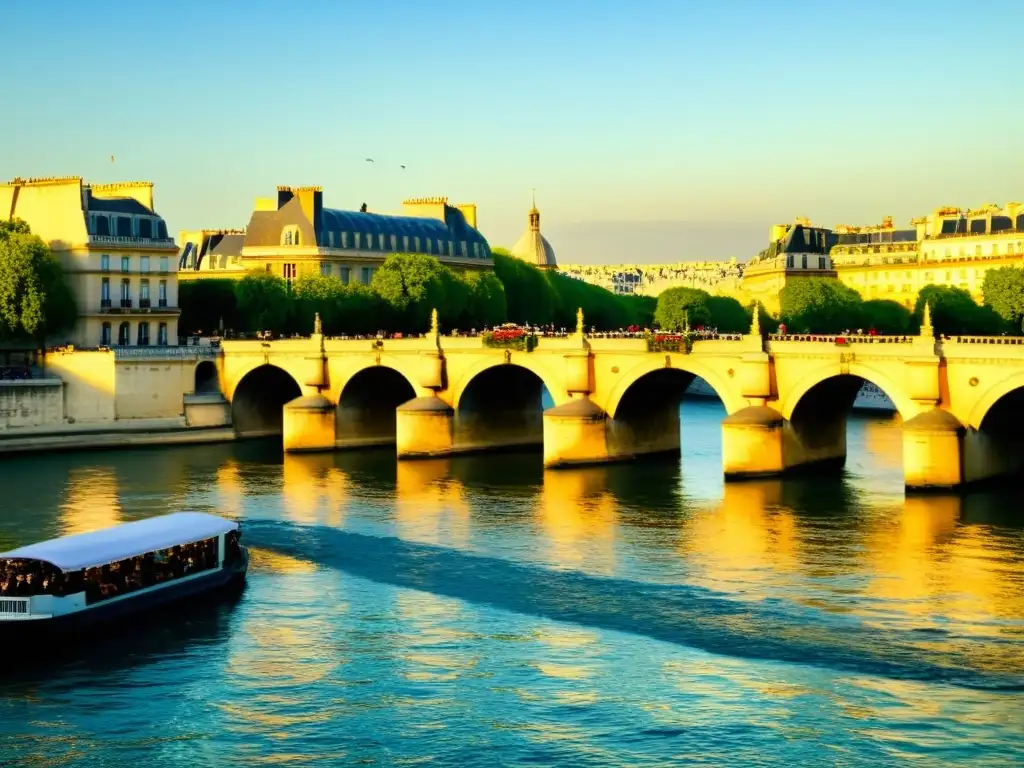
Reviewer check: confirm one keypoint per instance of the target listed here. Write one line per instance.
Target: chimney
(284, 194)
(312, 201)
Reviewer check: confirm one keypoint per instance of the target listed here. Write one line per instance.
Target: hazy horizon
(655, 242)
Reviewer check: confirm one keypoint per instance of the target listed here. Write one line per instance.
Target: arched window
(290, 236)
(124, 334)
(105, 335)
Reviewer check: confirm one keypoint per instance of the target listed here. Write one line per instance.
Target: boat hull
(205, 586)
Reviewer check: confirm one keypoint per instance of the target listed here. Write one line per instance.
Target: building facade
(951, 246)
(116, 252)
(294, 234)
(795, 251)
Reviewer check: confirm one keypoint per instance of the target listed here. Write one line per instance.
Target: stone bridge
(787, 398)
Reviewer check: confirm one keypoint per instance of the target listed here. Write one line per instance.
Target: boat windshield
(28, 578)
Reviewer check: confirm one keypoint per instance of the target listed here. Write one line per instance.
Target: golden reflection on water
(883, 442)
(274, 661)
(230, 490)
(925, 563)
(431, 506)
(313, 490)
(745, 542)
(580, 518)
(431, 648)
(91, 501)
(267, 560)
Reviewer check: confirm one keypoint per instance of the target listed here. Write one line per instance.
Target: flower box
(510, 338)
(665, 342)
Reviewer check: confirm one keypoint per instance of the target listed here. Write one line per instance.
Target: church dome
(533, 247)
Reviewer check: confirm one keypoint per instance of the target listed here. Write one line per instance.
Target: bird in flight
(402, 167)
(111, 158)
(369, 159)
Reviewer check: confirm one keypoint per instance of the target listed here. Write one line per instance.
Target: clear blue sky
(652, 113)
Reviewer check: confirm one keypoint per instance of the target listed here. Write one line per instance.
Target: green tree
(35, 300)
(1003, 290)
(955, 312)
(314, 294)
(819, 305)
(363, 311)
(728, 315)
(414, 284)
(207, 304)
(486, 305)
(679, 306)
(888, 317)
(263, 302)
(639, 310)
(529, 297)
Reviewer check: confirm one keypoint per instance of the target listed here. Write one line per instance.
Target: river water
(481, 611)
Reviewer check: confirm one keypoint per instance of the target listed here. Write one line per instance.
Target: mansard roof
(128, 205)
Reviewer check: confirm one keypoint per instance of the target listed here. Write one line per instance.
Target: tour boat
(76, 581)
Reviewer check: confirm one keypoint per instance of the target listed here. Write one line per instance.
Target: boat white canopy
(87, 550)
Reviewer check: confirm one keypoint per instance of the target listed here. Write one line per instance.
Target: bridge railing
(841, 340)
(1008, 340)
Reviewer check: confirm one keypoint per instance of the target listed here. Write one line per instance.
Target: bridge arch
(206, 378)
(1000, 392)
(553, 383)
(367, 403)
(821, 377)
(257, 406)
(502, 406)
(684, 373)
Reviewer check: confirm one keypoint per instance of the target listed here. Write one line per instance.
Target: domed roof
(533, 247)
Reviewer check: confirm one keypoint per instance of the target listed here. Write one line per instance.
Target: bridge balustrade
(842, 339)
(1012, 340)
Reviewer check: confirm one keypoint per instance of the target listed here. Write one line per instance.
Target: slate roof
(457, 229)
(118, 205)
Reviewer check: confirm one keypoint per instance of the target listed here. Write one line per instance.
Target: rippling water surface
(481, 611)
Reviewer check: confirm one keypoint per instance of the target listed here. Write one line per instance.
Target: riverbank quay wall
(787, 398)
(115, 397)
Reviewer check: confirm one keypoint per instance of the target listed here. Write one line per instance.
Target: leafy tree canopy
(263, 301)
(208, 304)
(884, 316)
(679, 306)
(1003, 290)
(955, 312)
(819, 305)
(35, 299)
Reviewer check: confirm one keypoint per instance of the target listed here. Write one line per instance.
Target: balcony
(132, 242)
(162, 303)
(126, 303)
(104, 303)
(144, 303)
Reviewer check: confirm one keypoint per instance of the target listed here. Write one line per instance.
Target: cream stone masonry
(117, 256)
(787, 398)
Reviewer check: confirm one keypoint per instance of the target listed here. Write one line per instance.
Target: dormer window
(290, 236)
